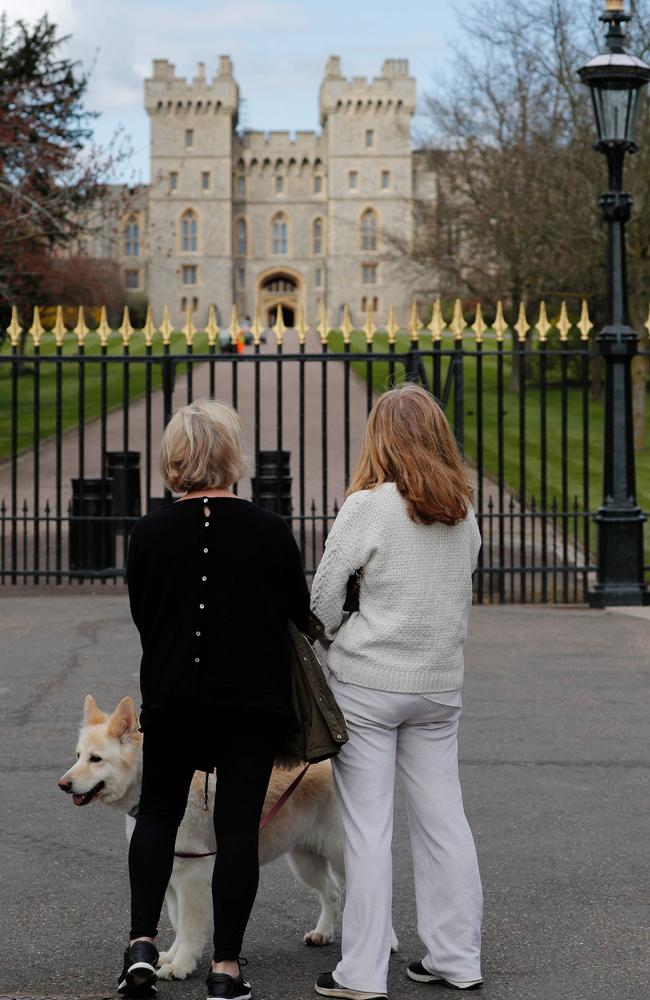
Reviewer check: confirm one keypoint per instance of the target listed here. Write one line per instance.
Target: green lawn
(531, 406)
(70, 385)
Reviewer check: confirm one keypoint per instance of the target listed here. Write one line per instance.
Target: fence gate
(82, 413)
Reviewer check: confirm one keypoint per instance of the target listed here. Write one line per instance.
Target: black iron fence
(81, 417)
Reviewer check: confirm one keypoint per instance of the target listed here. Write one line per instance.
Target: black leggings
(243, 773)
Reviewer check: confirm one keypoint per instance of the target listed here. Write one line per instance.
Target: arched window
(369, 230)
(241, 238)
(189, 228)
(279, 234)
(317, 236)
(132, 237)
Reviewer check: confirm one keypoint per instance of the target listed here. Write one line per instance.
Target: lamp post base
(613, 596)
(620, 559)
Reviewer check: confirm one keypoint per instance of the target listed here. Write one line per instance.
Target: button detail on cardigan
(198, 635)
(207, 524)
(205, 550)
(197, 659)
(202, 606)
(204, 578)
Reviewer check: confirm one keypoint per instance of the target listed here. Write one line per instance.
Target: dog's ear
(93, 715)
(124, 720)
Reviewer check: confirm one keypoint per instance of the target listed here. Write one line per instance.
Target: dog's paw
(394, 943)
(164, 958)
(172, 970)
(315, 939)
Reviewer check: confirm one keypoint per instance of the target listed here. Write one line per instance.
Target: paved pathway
(554, 763)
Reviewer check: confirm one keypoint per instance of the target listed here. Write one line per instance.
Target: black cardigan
(211, 596)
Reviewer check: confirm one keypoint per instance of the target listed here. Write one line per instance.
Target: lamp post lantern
(615, 79)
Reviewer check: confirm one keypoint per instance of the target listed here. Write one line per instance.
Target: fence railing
(82, 413)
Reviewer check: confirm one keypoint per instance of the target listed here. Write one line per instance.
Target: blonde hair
(201, 447)
(409, 442)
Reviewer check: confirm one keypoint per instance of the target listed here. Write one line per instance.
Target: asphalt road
(554, 749)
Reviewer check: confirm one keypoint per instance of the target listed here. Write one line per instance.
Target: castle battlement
(166, 93)
(393, 91)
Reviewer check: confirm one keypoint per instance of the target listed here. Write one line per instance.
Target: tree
(49, 171)
(509, 136)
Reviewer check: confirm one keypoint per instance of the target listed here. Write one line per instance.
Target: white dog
(109, 770)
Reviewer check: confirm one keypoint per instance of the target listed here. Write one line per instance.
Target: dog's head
(107, 753)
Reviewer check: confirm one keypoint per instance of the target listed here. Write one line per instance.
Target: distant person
(396, 671)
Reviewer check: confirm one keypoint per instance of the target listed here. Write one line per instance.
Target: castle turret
(190, 206)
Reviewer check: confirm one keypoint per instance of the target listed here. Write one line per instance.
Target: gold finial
(301, 326)
(437, 324)
(81, 329)
(415, 324)
(585, 324)
(323, 327)
(59, 329)
(564, 324)
(458, 324)
(149, 328)
(543, 325)
(369, 328)
(500, 326)
(522, 326)
(36, 330)
(479, 325)
(126, 330)
(392, 327)
(346, 325)
(166, 327)
(257, 327)
(614, 5)
(279, 329)
(233, 329)
(189, 329)
(14, 329)
(103, 329)
(212, 328)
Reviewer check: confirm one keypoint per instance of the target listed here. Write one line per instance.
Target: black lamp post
(615, 78)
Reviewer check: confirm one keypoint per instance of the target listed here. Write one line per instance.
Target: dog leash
(271, 814)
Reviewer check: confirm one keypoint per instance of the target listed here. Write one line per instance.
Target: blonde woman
(213, 581)
(396, 671)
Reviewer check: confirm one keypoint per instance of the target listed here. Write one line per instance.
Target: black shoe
(221, 986)
(419, 974)
(138, 978)
(327, 986)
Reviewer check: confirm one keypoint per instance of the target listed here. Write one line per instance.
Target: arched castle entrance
(279, 288)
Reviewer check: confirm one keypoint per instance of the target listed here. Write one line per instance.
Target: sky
(279, 49)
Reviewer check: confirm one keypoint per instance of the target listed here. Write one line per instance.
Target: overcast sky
(279, 49)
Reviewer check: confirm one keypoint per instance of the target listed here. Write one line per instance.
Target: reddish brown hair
(409, 442)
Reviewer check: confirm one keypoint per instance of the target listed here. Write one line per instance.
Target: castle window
(279, 185)
(353, 178)
(369, 274)
(241, 185)
(279, 234)
(132, 237)
(385, 179)
(132, 279)
(241, 276)
(183, 304)
(241, 238)
(370, 138)
(317, 236)
(369, 230)
(189, 137)
(188, 274)
(318, 277)
(189, 231)
(173, 181)
(205, 180)
(369, 304)
(318, 184)
(195, 303)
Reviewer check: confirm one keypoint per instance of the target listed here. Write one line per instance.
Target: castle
(270, 219)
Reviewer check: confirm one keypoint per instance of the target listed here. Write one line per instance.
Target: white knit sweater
(415, 596)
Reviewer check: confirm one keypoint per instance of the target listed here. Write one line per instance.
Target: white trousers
(420, 737)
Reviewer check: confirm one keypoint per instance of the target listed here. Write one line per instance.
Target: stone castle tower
(270, 218)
